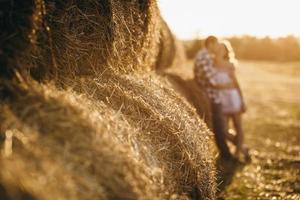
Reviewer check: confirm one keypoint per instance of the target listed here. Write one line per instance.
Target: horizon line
(201, 36)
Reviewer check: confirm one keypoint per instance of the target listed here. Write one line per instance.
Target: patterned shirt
(204, 75)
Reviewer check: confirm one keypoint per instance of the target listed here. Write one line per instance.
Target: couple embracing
(215, 72)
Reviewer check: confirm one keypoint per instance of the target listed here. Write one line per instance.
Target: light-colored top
(231, 100)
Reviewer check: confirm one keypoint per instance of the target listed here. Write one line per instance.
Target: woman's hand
(230, 66)
(218, 61)
(244, 108)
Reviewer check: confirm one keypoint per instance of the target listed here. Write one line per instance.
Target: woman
(232, 101)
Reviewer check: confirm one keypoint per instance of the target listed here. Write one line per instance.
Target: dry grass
(272, 127)
(100, 122)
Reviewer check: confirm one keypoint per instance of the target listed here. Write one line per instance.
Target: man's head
(211, 44)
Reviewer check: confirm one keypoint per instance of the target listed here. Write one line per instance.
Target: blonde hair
(230, 55)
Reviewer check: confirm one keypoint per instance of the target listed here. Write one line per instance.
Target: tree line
(253, 48)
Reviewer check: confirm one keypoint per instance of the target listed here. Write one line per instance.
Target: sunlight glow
(192, 18)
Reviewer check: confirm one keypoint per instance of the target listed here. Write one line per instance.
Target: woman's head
(225, 51)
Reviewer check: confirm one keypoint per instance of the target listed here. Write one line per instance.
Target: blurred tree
(252, 48)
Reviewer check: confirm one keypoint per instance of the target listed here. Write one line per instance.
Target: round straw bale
(79, 37)
(194, 94)
(171, 51)
(20, 20)
(87, 37)
(65, 152)
(167, 47)
(136, 33)
(108, 151)
(177, 139)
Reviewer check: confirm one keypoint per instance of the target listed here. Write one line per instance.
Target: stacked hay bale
(20, 21)
(177, 139)
(171, 50)
(136, 34)
(105, 128)
(62, 150)
(90, 36)
(187, 86)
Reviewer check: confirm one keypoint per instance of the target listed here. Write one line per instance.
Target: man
(204, 74)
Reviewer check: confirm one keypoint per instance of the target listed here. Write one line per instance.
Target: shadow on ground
(226, 170)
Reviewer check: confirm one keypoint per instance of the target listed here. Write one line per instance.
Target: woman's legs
(237, 139)
(237, 123)
(229, 136)
(219, 130)
(240, 148)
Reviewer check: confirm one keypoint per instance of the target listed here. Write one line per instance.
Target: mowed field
(272, 131)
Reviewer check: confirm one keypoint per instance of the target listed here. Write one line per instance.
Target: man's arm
(237, 85)
(224, 86)
(204, 70)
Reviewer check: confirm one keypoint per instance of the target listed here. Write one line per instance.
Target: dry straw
(63, 151)
(171, 51)
(107, 128)
(178, 141)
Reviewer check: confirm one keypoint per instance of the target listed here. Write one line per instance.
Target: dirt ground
(272, 132)
(272, 128)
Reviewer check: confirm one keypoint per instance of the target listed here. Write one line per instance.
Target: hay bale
(127, 35)
(74, 38)
(20, 20)
(79, 37)
(137, 33)
(129, 136)
(88, 37)
(177, 139)
(59, 142)
(195, 95)
(171, 51)
(80, 40)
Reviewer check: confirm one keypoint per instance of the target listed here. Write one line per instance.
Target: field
(272, 128)
(90, 111)
(272, 131)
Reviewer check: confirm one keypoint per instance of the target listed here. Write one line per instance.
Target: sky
(195, 18)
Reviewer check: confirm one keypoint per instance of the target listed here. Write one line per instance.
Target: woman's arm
(237, 86)
(218, 61)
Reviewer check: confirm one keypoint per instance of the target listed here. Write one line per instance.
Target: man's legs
(219, 129)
